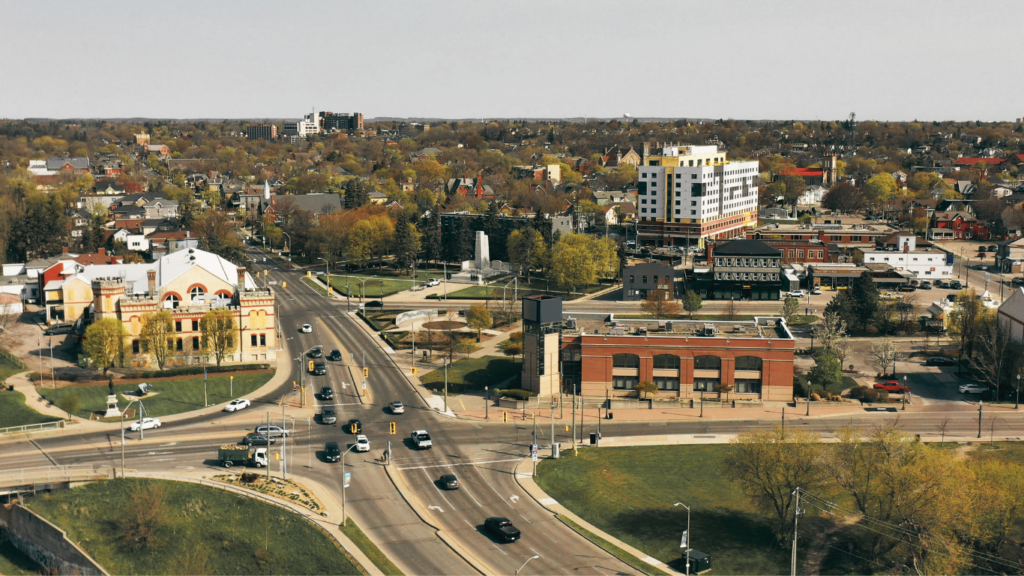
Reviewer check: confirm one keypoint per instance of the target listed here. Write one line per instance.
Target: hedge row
(190, 370)
(517, 393)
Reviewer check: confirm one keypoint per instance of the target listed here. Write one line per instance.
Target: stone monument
(112, 409)
(481, 267)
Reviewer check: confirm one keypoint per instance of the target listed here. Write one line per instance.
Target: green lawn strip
(796, 320)
(315, 285)
(172, 396)
(474, 374)
(208, 531)
(615, 550)
(371, 288)
(14, 562)
(9, 366)
(379, 559)
(14, 411)
(629, 493)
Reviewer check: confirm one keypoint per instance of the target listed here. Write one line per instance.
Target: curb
(425, 517)
(373, 335)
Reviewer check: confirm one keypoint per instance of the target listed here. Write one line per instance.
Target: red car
(892, 386)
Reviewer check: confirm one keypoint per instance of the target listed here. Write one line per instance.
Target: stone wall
(45, 543)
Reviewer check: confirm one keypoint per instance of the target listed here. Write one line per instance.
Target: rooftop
(760, 327)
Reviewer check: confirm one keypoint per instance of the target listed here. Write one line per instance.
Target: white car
(972, 389)
(433, 282)
(815, 291)
(397, 407)
(362, 443)
(147, 423)
(237, 404)
(306, 328)
(796, 293)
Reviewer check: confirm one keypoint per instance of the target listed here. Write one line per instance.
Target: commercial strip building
(927, 264)
(684, 359)
(691, 193)
(741, 270)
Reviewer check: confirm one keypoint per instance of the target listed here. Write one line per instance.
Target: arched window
(196, 291)
(748, 363)
(171, 301)
(666, 362)
(707, 363)
(625, 361)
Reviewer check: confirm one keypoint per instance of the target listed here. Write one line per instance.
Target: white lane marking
(599, 570)
(462, 488)
(458, 464)
(514, 499)
(499, 549)
(431, 480)
(171, 444)
(157, 453)
(438, 508)
(486, 481)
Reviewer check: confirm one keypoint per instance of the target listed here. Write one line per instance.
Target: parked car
(332, 452)
(334, 356)
(502, 529)
(940, 361)
(972, 389)
(891, 386)
(955, 285)
(1018, 281)
(906, 288)
(328, 415)
(926, 285)
(326, 393)
(355, 426)
(258, 440)
(951, 297)
(449, 482)
(796, 293)
(319, 368)
(237, 404)
(433, 282)
(273, 430)
(362, 444)
(816, 290)
(306, 328)
(58, 329)
(942, 284)
(146, 424)
(397, 407)
(993, 248)
(316, 353)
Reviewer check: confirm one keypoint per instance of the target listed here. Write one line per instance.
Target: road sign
(535, 456)
(364, 385)
(348, 479)
(413, 370)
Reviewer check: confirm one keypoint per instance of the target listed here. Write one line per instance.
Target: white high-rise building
(309, 124)
(690, 193)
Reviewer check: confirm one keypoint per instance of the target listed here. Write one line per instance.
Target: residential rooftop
(759, 327)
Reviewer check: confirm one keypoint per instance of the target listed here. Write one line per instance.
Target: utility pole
(575, 451)
(284, 444)
(206, 401)
(268, 445)
(552, 413)
(535, 429)
(796, 519)
(445, 385)
(980, 411)
(309, 445)
(487, 403)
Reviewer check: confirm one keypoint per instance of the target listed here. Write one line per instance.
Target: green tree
(104, 343)
(526, 250)
(430, 235)
(218, 333)
(843, 307)
(827, 372)
(794, 187)
(513, 350)
(187, 211)
(356, 195)
(644, 388)
(790, 306)
(479, 318)
(881, 187)
(406, 242)
(692, 302)
(865, 296)
(69, 403)
(579, 260)
(157, 336)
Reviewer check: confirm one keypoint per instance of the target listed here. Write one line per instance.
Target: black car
(355, 426)
(951, 297)
(502, 529)
(956, 285)
(942, 284)
(1019, 281)
(449, 482)
(926, 285)
(940, 361)
(374, 304)
(334, 356)
(332, 452)
(906, 288)
(258, 440)
(319, 368)
(58, 329)
(316, 353)
(993, 248)
(326, 393)
(328, 416)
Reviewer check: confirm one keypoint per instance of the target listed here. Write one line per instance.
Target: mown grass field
(171, 396)
(474, 374)
(207, 531)
(14, 412)
(371, 288)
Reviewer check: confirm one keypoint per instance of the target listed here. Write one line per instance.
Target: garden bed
(286, 489)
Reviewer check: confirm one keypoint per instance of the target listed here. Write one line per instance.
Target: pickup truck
(891, 386)
(502, 529)
(421, 439)
(231, 454)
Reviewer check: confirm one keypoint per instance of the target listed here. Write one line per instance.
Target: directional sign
(348, 479)
(534, 456)
(514, 499)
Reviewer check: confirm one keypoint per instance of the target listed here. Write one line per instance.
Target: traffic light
(310, 365)
(330, 290)
(307, 274)
(295, 386)
(566, 427)
(352, 428)
(265, 272)
(366, 372)
(394, 428)
(284, 284)
(413, 370)
(504, 415)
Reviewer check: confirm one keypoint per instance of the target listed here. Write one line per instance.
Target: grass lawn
(474, 373)
(172, 396)
(372, 286)
(8, 368)
(796, 321)
(14, 412)
(630, 492)
(363, 542)
(312, 283)
(207, 531)
(615, 550)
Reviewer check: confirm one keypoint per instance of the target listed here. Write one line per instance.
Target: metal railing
(30, 428)
(44, 475)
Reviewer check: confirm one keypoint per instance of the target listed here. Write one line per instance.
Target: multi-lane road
(482, 455)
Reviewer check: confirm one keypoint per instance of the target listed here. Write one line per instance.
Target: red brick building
(963, 225)
(798, 251)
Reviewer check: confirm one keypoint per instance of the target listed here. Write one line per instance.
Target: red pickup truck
(891, 386)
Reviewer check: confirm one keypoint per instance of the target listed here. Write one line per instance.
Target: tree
(794, 187)
(406, 241)
(884, 354)
(790, 306)
(843, 307)
(770, 465)
(844, 197)
(644, 388)
(831, 332)
(69, 403)
(963, 323)
(692, 302)
(579, 260)
(187, 211)
(827, 371)
(513, 350)
(356, 194)
(881, 188)
(370, 238)
(479, 318)
(431, 235)
(104, 343)
(144, 516)
(218, 332)
(157, 336)
(905, 313)
(998, 353)
(865, 298)
(659, 304)
(526, 250)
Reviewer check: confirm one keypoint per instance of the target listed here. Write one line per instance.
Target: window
(790, 252)
(252, 340)
(645, 279)
(625, 361)
(664, 383)
(747, 386)
(179, 345)
(748, 363)
(666, 362)
(195, 342)
(705, 384)
(632, 279)
(800, 254)
(707, 363)
(135, 346)
(263, 339)
(173, 300)
(177, 325)
(625, 382)
(195, 325)
(196, 291)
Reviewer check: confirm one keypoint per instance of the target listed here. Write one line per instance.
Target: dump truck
(231, 454)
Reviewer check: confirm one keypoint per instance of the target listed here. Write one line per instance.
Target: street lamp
(905, 389)
(344, 517)
(525, 563)
(1016, 404)
(328, 270)
(810, 387)
(686, 535)
(142, 432)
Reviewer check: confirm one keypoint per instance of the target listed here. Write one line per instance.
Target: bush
(249, 477)
(190, 370)
(815, 397)
(857, 392)
(517, 394)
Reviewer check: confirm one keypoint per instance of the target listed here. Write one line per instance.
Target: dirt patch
(444, 325)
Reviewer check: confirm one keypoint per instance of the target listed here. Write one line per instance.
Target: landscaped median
(473, 374)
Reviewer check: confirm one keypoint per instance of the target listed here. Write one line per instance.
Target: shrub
(249, 477)
(69, 404)
(517, 394)
(190, 370)
(815, 397)
(857, 392)
(144, 516)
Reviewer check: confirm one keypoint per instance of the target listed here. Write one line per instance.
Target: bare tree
(659, 304)
(905, 309)
(963, 323)
(884, 354)
(997, 352)
(942, 430)
(8, 314)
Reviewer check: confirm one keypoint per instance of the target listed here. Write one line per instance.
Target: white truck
(421, 439)
(231, 454)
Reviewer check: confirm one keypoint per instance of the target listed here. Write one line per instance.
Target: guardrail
(26, 476)
(30, 428)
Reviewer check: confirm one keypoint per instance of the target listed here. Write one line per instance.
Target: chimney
(151, 276)
(65, 250)
(241, 279)
(101, 251)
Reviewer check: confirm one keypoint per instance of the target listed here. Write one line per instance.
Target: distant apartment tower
(261, 131)
(305, 127)
(691, 193)
(342, 122)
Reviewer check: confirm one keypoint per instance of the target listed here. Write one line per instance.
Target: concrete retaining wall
(415, 315)
(45, 543)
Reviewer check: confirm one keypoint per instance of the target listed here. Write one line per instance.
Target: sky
(741, 59)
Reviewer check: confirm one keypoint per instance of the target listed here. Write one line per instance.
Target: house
(1010, 256)
(161, 208)
(925, 264)
(606, 197)
(964, 226)
(640, 278)
(159, 149)
(424, 154)
(1011, 315)
(607, 215)
(969, 162)
(377, 197)
(55, 164)
(129, 211)
(955, 206)
(812, 195)
(162, 243)
(100, 256)
(469, 187)
(107, 187)
(741, 270)
(550, 173)
(109, 166)
(615, 156)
